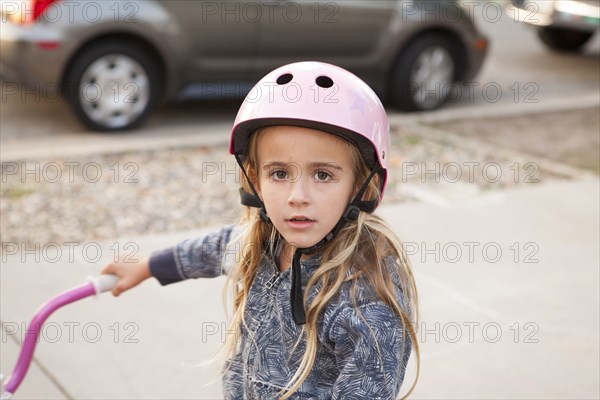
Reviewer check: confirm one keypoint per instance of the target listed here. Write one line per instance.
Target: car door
(220, 39)
(348, 33)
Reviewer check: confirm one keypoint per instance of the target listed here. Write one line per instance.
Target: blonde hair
(347, 257)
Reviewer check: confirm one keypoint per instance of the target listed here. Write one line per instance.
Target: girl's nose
(299, 192)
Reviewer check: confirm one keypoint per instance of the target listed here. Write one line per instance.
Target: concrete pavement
(508, 284)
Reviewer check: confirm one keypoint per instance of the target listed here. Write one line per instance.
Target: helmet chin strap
(350, 214)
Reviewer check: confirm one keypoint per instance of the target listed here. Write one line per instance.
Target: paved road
(530, 78)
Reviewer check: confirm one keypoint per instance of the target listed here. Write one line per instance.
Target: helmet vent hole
(285, 78)
(324, 82)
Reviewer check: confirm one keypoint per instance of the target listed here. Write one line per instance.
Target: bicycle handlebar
(96, 286)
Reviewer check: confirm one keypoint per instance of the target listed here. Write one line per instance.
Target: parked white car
(563, 25)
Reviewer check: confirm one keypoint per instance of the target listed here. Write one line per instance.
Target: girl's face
(305, 179)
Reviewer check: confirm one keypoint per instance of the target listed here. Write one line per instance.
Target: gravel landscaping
(570, 137)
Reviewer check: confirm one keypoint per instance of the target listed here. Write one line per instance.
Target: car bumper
(477, 52)
(30, 56)
(579, 15)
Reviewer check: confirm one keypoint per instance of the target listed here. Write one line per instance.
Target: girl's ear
(254, 178)
(376, 181)
(368, 195)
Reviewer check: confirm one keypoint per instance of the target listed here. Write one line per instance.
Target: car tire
(424, 72)
(563, 39)
(112, 86)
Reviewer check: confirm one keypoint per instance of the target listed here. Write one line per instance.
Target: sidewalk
(509, 309)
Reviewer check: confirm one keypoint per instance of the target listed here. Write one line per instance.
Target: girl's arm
(206, 256)
(202, 257)
(370, 352)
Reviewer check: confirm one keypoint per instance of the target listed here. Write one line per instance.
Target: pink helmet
(319, 96)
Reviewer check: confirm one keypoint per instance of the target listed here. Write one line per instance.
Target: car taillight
(25, 11)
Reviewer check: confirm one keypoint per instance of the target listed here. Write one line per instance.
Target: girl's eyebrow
(272, 164)
(326, 165)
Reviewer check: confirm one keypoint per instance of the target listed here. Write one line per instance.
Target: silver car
(113, 60)
(562, 25)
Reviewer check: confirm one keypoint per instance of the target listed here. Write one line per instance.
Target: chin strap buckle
(351, 213)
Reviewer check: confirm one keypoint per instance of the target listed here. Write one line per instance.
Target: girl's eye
(278, 175)
(322, 176)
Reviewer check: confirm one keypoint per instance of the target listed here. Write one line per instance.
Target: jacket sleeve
(207, 256)
(370, 351)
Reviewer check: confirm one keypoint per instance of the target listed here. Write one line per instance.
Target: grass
(14, 193)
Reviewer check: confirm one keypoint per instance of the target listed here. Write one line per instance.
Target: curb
(495, 110)
(217, 134)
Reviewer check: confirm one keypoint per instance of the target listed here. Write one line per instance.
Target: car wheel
(424, 73)
(563, 39)
(112, 86)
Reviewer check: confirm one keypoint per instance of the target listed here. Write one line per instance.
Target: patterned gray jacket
(361, 351)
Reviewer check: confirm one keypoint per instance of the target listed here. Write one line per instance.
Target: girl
(324, 297)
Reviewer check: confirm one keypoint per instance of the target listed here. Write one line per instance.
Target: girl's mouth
(300, 222)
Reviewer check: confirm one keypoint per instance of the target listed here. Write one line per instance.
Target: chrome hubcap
(114, 90)
(431, 76)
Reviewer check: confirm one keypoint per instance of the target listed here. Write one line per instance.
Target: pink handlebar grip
(33, 331)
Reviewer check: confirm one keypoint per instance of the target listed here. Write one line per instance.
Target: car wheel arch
(450, 34)
(399, 93)
(133, 39)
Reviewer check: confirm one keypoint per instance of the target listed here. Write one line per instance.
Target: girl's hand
(129, 274)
